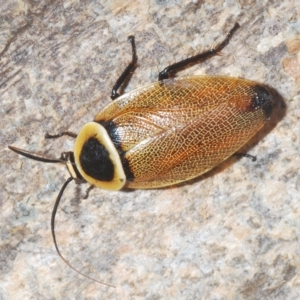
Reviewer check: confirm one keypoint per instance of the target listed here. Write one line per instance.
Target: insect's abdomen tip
(263, 99)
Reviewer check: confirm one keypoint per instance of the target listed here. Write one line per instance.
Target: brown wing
(176, 130)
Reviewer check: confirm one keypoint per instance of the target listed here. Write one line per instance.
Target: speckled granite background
(232, 234)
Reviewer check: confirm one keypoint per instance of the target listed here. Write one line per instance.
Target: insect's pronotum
(165, 132)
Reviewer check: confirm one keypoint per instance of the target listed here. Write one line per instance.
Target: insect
(165, 132)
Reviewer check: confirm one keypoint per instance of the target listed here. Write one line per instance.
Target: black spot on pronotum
(263, 99)
(95, 161)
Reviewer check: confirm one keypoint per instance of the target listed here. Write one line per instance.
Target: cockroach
(165, 132)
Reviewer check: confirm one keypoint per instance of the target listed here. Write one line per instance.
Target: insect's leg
(88, 191)
(253, 158)
(164, 74)
(55, 136)
(127, 70)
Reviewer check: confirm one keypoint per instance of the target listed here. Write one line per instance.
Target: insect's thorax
(97, 158)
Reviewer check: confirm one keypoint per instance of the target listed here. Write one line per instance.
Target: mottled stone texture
(232, 234)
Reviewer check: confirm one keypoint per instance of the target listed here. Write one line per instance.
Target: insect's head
(95, 158)
(66, 158)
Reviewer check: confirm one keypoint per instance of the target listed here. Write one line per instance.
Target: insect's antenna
(65, 160)
(54, 236)
(36, 156)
